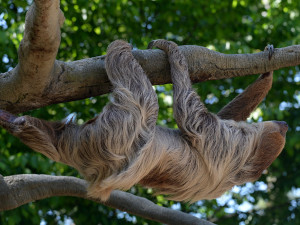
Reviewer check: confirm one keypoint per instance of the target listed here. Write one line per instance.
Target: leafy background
(238, 26)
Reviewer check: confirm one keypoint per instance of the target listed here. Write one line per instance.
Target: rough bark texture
(68, 81)
(21, 189)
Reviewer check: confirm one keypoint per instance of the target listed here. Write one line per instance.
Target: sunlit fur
(122, 146)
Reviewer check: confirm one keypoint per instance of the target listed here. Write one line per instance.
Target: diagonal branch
(37, 53)
(20, 189)
(38, 49)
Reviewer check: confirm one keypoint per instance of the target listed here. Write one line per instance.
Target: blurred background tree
(237, 26)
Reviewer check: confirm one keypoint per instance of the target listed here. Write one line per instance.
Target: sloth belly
(180, 175)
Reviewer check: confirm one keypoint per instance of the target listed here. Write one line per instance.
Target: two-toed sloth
(122, 146)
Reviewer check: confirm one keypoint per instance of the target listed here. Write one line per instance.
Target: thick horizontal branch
(40, 80)
(18, 190)
(86, 78)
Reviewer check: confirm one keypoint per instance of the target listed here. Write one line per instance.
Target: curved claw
(7, 117)
(162, 44)
(151, 44)
(11, 122)
(270, 49)
(267, 74)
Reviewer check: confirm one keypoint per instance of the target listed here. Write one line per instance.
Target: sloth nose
(283, 126)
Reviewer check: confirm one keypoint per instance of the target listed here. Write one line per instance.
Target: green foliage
(237, 26)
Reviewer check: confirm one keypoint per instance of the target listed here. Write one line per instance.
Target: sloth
(122, 146)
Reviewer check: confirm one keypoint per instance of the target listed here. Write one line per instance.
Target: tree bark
(18, 190)
(69, 81)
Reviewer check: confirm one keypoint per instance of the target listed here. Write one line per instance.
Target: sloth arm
(190, 113)
(240, 108)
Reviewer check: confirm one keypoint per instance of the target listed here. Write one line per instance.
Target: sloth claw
(7, 117)
(151, 44)
(271, 50)
(162, 44)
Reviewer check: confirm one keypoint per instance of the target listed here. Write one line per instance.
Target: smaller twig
(18, 190)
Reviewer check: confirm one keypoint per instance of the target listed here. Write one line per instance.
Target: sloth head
(40, 135)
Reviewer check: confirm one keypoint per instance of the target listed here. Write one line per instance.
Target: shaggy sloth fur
(122, 146)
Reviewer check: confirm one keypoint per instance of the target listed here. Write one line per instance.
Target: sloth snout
(283, 126)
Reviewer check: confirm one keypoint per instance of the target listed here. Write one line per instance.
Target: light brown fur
(122, 146)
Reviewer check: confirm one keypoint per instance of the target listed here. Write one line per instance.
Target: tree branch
(37, 53)
(87, 77)
(52, 81)
(18, 190)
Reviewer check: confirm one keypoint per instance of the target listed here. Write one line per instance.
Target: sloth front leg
(127, 121)
(190, 113)
(132, 87)
(240, 108)
(126, 127)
